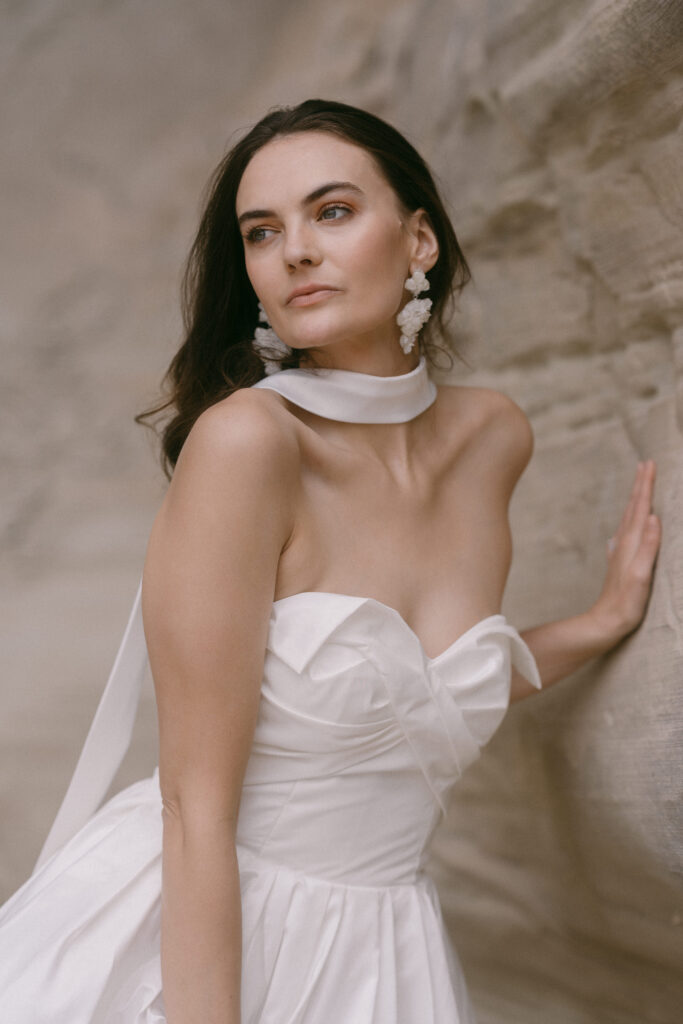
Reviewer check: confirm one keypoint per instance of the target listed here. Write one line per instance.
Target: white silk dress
(359, 741)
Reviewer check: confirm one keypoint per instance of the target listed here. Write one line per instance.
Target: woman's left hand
(631, 555)
(562, 647)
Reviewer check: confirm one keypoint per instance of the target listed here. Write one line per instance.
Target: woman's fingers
(649, 546)
(637, 511)
(628, 513)
(643, 502)
(631, 555)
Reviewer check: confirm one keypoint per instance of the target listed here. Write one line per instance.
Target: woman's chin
(314, 340)
(329, 336)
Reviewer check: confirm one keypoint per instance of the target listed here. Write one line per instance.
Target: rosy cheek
(374, 244)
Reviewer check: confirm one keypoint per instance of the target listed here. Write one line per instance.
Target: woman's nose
(300, 248)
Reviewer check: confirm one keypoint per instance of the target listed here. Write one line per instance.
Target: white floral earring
(270, 349)
(415, 313)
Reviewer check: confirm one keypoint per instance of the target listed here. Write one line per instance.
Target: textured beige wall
(556, 129)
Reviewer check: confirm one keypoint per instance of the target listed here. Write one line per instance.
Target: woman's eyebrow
(317, 193)
(330, 187)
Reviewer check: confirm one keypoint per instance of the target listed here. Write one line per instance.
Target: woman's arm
(207, 593)
(562, 647)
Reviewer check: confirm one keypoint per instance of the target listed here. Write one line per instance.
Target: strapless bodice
(361, 735)
(359, 739)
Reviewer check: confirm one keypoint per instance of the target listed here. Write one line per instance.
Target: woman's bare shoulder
(498, 424)
(232, 497)
(248, 432)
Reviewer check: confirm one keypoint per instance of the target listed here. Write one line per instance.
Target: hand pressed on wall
(631, 555)
(562, 647)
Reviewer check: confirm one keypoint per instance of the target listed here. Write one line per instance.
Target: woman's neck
(377, 360)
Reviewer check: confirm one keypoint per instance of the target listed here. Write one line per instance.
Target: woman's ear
(425, 247)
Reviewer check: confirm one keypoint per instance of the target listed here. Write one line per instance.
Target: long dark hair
(219, 305)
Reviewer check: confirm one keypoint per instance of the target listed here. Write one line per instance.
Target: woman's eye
(337, 208)
(336, 211)
(257, 234)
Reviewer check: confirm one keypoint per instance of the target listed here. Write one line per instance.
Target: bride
(321, 600)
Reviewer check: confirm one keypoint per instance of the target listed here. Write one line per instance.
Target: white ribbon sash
(108, 739)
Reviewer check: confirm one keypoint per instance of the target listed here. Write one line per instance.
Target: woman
(308, 736)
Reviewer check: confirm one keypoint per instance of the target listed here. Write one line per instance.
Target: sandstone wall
(556, 130)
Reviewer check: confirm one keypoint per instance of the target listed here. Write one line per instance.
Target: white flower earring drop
(415, 313)
(270, 349)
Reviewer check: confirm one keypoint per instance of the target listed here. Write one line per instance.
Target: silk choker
(352, 397)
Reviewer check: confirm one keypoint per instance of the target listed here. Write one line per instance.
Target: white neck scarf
(352, 397)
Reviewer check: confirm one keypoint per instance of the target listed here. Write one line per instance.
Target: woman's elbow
(199, 819)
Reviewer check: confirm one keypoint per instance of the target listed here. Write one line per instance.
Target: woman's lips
(311, 297)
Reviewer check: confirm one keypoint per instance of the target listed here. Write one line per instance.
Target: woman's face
(316, 214)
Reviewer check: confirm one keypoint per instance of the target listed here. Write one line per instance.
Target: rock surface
(556, 129)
